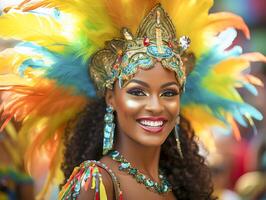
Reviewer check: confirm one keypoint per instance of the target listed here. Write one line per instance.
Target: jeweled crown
(155, 41)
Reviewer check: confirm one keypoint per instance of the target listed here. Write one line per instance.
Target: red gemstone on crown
(146, 41)
(170, 44)
(115, 66)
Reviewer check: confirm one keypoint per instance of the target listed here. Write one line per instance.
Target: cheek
(127, 106)
(131, 104)
(173, 108)
(173, 105)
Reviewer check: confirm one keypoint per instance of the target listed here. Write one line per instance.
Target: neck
(144, 158)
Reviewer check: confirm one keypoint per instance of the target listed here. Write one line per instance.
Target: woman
(146, 112)
(147, 147)
(148, 86)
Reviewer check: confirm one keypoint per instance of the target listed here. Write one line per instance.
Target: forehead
(156, 75)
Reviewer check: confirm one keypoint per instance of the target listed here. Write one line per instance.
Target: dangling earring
(109, 129)
(178, 145)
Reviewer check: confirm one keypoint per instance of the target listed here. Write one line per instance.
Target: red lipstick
(162, 118)
(152, 124)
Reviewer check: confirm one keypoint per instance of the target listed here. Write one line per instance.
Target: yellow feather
(219, 21)
(103, 195)
(136, 10)
(195, 114)
(91, 21)
(43, 30)
(54, 172)
(223, 86)
(9, 144)
(208, 140)
(11, 79)
(105, 18)
(188, 17)
(231, 67)
(228, 74)
(10, 61)
(11, 131)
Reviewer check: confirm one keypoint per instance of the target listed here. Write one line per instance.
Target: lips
(152, 124)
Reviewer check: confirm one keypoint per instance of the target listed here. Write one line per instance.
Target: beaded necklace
(160, 188)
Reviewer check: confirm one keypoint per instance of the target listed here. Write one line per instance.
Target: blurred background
(239, 167)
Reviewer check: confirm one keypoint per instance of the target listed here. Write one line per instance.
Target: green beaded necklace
(160, 188)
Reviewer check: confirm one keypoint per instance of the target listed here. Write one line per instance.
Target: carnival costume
(72, 50)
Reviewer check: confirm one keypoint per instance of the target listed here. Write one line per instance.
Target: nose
(154, 104)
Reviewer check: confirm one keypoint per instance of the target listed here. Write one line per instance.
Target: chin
(151, 139)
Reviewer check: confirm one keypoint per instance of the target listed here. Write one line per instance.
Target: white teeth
(151, 123)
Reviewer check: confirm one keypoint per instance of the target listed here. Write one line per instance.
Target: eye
(169, 93)
(136, 92)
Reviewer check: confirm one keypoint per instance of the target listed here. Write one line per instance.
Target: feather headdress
(44, 79)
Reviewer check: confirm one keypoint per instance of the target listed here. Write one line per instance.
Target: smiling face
(147, 106)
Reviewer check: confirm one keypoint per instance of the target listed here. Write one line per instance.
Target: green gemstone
(157, 187)
(114, 154)
(140, 178)
(133, 171)
(180, 74)
(164, 188)
(124, 166)
(148, 183)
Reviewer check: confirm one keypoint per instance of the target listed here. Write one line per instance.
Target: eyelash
(171, 92)
(136, 92)
(140, 92)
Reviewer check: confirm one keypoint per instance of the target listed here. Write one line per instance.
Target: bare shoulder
(90, 180)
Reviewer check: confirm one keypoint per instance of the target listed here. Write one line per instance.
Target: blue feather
(196, 93)
(72, 71)
(251, 88)
(35, 64)
(67, 69)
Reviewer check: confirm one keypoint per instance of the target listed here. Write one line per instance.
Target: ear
(110, 98)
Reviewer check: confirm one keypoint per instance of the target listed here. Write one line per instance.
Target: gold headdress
(155, 41)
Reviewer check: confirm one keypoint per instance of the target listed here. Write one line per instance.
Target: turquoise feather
(66, 69)
(205, 98)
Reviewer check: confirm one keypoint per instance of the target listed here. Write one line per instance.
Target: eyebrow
(137, 81)
(168, 84)
(146, 84)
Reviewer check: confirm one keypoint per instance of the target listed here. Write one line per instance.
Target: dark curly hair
(189, 177)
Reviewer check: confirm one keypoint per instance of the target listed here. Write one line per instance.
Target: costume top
(88, 176)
